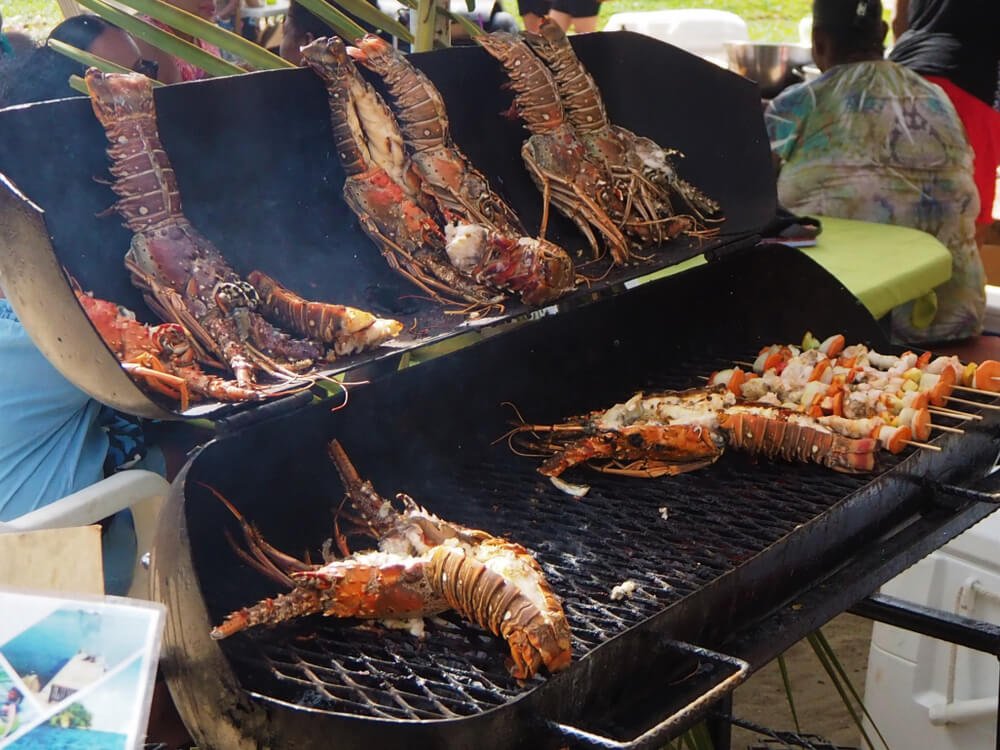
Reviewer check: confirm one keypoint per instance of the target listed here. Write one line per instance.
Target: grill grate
(717, 519)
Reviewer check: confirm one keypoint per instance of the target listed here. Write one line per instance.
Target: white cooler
(929, 694)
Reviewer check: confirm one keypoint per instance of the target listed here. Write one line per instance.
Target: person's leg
(562, 19)
(585, 25)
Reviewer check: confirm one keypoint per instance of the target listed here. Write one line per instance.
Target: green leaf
(825, 644)
(834, 669)
(472, 29)
(783, 668)
(88, 60)
(426, 12)
(75, 82)
(163, 40)
(188, 23)
(367, 12)
(335, 18)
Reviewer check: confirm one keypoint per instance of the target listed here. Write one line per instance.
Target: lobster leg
(581, 209)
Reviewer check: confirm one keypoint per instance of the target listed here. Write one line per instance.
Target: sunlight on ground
(774, 21)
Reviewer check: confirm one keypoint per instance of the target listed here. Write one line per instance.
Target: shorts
(577, 8)
(538, 7)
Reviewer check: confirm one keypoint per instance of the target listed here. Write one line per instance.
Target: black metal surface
(738, 539)
(257, 176)
(936, 623)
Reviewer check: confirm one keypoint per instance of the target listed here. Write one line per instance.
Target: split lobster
(424, 565)
(673, 432)
(184, 277)
(575, 151)
(559, 163)
(162, 357)
(640, 166)
(482, 237)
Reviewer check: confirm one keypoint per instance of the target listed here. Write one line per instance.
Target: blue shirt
(50, 442)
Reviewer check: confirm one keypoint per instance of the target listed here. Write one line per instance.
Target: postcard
(76, 673)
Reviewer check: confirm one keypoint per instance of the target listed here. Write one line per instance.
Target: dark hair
(305, 22)
(42, 73)
(852, 26)
(81, 31)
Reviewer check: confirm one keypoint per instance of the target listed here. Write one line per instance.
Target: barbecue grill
(270, 199)
(717, 555)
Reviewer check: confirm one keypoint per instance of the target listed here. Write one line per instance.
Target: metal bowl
(773, 65)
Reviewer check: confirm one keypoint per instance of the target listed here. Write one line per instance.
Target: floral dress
(874, 141)
(188, 71)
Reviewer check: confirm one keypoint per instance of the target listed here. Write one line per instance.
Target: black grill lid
(257, 175)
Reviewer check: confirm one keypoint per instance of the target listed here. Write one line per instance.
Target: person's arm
(228, 11)
(167, 72)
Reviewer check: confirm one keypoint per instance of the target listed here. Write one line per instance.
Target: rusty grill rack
(717, 519)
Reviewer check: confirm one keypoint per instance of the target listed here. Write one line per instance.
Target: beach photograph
(72, 648)
(17, 709)
(101, 718)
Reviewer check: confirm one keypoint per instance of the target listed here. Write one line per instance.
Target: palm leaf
(335, 18)
(363, 10)
(78, 84)
(187, 23)
(783, 668)
(834, 670)
(824, 644)
(471, 28)
(88, 60)
(163, 40)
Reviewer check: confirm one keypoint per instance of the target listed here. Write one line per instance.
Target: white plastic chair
(144, 492)
(700, 31)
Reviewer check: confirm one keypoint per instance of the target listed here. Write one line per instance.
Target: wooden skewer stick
(743, 364)
(925, 446)
(947, 429)
(980, 391)
(952, 413)
(972, 403)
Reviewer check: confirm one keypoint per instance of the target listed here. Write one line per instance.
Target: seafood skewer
(185, 279)
(424, 565)
(485, 238)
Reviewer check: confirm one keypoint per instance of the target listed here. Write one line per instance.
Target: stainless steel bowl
(773, 65)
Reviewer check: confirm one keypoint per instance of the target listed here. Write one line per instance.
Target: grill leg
(720, 728)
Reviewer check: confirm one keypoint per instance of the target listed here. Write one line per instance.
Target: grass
(768, 20)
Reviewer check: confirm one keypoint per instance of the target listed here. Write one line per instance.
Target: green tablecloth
(882, 265)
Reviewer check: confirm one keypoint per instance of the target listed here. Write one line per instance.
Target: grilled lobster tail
(346, 329)
(145, 182)
(499, 586)
(462, 192)
(774, 436)
(184, 277)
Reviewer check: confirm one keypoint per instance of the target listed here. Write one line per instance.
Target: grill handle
(659, 733)
(966, 493)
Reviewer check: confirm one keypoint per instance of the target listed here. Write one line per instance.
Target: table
(277, 8)
(882, 265)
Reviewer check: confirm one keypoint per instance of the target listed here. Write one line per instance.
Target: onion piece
(576, 490)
